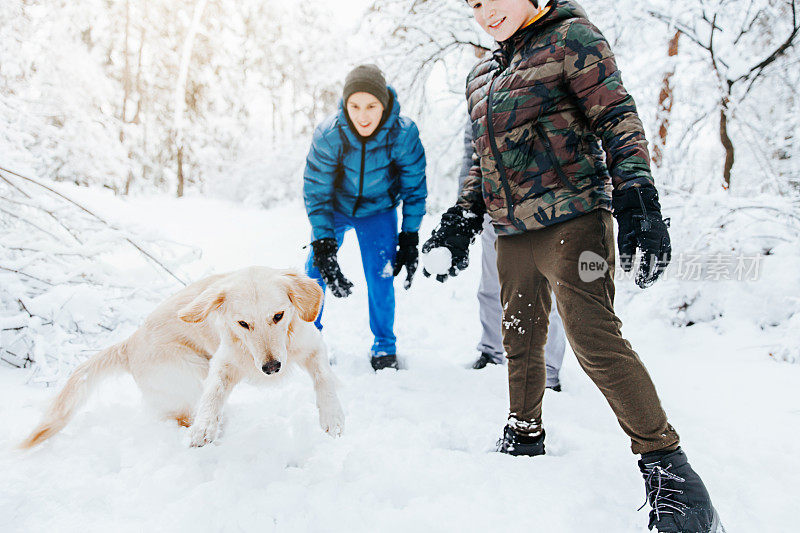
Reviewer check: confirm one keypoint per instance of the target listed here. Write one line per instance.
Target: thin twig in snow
(14, 186)
(48, 212)
(25, 220)
(22, 305)
(73, 202)
(26, 275)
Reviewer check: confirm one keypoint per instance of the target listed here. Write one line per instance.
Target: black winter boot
(679, 500)
(513, 443)
(483, 360)
(384, 361)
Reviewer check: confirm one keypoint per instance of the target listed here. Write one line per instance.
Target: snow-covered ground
(416, 453)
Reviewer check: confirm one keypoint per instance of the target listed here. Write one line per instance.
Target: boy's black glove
(407, 255)
(328, 266)
(455, 232)
(641, 226)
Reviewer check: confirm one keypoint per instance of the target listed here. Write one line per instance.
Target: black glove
(407, 255)
(455, 232)
(325, 260)
(641, 226)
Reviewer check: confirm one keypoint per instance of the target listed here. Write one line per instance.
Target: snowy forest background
(145, 144)
(218, 98)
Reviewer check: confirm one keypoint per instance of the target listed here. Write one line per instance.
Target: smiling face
(502, 18)
(365, 112)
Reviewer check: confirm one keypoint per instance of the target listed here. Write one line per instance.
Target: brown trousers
(530, 264)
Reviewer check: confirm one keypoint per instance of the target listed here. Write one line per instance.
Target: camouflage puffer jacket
(540, 107)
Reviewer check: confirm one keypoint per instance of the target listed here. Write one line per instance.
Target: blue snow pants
(377, 239)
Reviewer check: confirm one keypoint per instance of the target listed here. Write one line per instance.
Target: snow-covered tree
(150, 93)
(744, 55)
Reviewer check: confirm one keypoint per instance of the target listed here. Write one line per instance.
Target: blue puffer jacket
(360, 179)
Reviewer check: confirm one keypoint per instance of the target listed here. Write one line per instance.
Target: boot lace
(506, 442)
(660, 494)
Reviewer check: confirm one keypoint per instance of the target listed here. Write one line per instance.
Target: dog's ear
(198, 309)
(305, 294)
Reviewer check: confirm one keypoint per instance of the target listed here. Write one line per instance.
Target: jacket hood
(566, 9)
(391, 117)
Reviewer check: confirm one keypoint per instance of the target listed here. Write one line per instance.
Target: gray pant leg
(555, 347)
(491, 311)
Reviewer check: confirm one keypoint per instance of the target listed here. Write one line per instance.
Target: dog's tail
(76, 391)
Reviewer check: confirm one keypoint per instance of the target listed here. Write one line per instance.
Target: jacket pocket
(548, 146)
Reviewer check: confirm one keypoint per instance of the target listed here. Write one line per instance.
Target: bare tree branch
(779, 51)
(745, 26)
(670, 21)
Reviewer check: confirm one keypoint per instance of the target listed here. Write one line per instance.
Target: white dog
(198, 344)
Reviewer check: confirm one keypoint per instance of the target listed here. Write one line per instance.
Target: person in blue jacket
(364, 161)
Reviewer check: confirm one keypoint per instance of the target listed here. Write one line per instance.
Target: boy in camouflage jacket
(558, 145)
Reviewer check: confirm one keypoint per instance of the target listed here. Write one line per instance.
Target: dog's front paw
(331, 420)
(204, 431)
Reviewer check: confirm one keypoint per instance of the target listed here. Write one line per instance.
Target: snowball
(437, 261)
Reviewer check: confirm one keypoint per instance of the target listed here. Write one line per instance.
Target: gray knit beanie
(366, 79)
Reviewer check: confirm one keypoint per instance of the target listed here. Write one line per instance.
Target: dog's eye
(244, 324)
(277, 317)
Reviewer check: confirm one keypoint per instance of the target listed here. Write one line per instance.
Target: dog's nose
(270, 367)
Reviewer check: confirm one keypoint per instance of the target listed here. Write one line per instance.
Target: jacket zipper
(553, 159)
(501, 169)
(360, 179)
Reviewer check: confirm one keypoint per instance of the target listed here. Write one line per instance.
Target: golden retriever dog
(198, 344)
